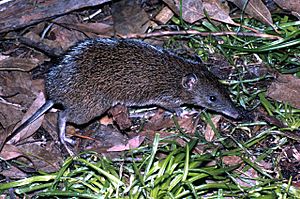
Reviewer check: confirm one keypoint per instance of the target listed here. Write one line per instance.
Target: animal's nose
(233, 113)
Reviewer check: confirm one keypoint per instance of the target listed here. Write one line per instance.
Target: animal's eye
(212, 98)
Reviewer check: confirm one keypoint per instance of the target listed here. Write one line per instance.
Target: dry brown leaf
(100, 137)
(14, 173)
(192, 10)
(265, 165)
(286, 88)
(256, 9)
(29, 130)
(3, 136)
(21, 64)
(46, 157)
(17, 91)
(187, 123)
(97, 28)
(10, 152)
(121, 116)
(158, 121)
(105, 120)
(218, 11)
(232, 160)
(65, 37)
(46, 45)
(164, 15)
(23, 13)
(290, 5)
(250, 175)
(132, 143)
(209, 133)
(129, 17)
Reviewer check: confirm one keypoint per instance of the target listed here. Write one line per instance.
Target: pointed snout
(234, 113)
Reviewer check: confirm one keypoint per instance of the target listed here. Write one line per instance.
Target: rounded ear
(189, 81)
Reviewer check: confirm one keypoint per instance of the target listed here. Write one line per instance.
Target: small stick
(195, 32)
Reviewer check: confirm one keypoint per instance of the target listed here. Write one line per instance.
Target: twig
(39, 45)
(17, 106)
(13, 69)
(195, 32)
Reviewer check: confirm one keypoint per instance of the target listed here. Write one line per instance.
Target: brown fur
(99, 73)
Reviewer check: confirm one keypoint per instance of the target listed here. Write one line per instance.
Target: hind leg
(62, 120)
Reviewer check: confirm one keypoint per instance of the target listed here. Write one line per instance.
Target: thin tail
(48, 104)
